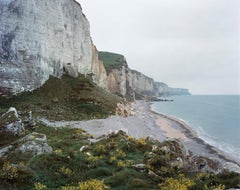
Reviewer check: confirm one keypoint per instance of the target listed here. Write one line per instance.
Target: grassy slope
(111, 160)
(65, 99)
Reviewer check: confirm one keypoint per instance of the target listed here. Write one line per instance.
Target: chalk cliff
(124, 81)
(41, 38)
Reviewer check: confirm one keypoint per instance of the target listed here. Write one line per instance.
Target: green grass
(65, 99)
(111, 59)
(69, 166)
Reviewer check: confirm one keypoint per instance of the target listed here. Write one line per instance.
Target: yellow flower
(40, 186)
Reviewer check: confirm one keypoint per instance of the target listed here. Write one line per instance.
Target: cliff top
(110, 59)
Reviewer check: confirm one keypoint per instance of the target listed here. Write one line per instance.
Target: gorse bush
(8, 172)
(180, 183)
(65, 171)
(92, 184)
(39, 186)
(70, 188)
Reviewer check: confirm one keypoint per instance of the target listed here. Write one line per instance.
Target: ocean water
(215, 118)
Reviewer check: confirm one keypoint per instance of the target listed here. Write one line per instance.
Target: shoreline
(192, 135)
(146, 122)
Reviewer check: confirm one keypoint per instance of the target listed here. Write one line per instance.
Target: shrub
(65, 171)
(100, 149)
(181, 183)
(120, 164)
(8, 171)
(39, 186)
(58, 152)
(112, 159)
(92, 184)
(219, 187)
(121, 154)
(70, 188)
(141, 142)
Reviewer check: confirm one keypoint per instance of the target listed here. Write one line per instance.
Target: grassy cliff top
(110, 59)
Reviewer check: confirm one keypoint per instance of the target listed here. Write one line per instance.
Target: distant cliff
(39, 39)
(124, 81)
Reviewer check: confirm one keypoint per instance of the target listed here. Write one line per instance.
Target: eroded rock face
(39, 39)
(116, 81)
(100, 74)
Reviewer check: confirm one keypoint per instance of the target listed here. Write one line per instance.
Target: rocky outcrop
(34, 143)
(43, 38)
(10, 122)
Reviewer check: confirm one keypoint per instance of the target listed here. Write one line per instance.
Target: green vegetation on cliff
(111, 60)
(65, 99)
(116, 161)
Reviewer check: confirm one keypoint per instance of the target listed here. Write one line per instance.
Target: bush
(39, 186)
(8, 171)
(181, 183)
(65, 171)
(92, 184)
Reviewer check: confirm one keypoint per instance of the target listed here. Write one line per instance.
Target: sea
(215, 118)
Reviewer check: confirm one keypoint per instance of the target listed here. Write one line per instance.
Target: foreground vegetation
(115, 162)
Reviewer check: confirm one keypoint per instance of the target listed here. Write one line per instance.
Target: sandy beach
(147, 123)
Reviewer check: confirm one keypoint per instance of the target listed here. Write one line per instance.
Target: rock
(4, 151)
(34, 143)
(166, 149)
(140, 166)
(152, 174)
(154, 148)
(83, 148)
(231, 167)
(55, 100)
(201, 164)
(178, 163)
(11, 122)
(69, 70)
(123, 110)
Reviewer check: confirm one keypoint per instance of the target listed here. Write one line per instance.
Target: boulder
(35, 144)
(4, 151)
(140, 166)
(11, 122)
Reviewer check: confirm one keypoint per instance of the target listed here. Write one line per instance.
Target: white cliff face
(140, 83)
(38, 38)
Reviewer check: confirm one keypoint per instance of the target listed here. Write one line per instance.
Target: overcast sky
(193, 44)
